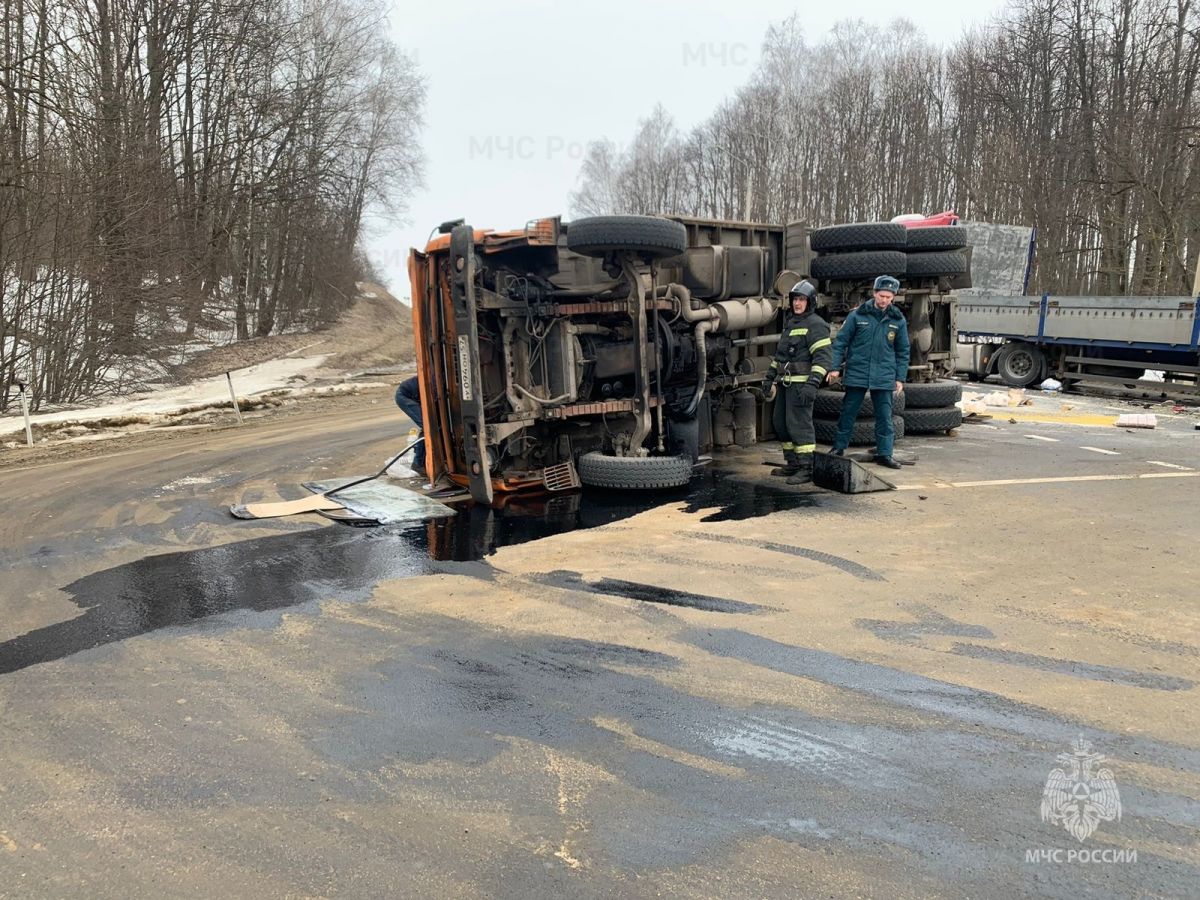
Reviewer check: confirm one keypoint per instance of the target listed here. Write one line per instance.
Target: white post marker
(233, 397)
(25, 413)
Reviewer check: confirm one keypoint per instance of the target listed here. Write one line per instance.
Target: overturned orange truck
(613, 351)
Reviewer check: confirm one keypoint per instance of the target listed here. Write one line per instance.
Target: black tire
(936, 393)
(863, 433)
(858, 236)
(828, 405)
(860, 265)
(930, 421)
(648, 236)
(931, 265)
(634, 473)
(1020, 365)
(941, 237)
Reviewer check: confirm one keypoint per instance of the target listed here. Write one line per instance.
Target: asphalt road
(743, 691)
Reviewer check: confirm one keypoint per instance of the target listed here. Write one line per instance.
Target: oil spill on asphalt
(1091, 671)
(290, 569)
(648, 593)
(846, 565)
(894, 773)
(734, 499)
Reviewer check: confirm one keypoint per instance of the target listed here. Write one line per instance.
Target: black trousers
(793, 421)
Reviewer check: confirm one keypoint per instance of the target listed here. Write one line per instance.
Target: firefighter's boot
(804, 470)
(791, 464)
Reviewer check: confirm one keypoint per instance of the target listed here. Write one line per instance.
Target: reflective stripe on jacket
(804, 351)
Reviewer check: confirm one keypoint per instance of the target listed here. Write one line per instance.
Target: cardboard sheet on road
(280, 508)
(383, 501)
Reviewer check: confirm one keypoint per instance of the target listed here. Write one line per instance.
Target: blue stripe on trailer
(1196, 325)
(1083, 342)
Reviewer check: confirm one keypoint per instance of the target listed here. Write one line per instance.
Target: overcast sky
(517, 88)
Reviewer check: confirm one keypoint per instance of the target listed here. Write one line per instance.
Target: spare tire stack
(860, 252)
(930, 408)
(935, 251)
(865, 250)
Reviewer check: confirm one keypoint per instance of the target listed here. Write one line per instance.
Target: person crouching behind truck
(408, 398)
(800, 363)
(873, 346)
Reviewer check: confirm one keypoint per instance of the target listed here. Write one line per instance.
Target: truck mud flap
(462, 297)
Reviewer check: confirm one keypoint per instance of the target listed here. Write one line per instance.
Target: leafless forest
(172, 167)
(1079, 117)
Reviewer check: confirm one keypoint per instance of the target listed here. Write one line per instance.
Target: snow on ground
(267, 376)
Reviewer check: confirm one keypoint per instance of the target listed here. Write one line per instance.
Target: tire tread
(866, 264)
(600, 235)
(858, 236)
(636, 473)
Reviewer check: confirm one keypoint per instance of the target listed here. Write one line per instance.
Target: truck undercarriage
(613, 351)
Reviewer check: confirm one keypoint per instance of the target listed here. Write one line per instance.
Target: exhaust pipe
(711, 318)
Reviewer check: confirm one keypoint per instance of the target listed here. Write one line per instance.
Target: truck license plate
(464, 367)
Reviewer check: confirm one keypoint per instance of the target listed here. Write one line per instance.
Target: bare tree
(167, 166)
(1079, 117)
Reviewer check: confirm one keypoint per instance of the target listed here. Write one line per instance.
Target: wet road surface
(741, 691)
(292, 569)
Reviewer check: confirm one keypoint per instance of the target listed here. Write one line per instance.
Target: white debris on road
(1137, 420)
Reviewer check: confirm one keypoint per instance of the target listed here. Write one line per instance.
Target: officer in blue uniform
(873, 348)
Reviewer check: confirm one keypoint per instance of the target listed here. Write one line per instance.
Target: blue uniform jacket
(871, 349)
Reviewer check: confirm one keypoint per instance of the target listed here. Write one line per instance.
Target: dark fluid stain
(648, 593)
(928, 621)
(735, 499)
(1175, 648)
(459, 692)
(963, 705)
(846, 565)
(1074, 668)
(176, 588)
(298, 567)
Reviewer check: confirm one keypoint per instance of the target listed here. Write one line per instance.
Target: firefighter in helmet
(800, 364)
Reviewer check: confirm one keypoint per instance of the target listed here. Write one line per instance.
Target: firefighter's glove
(808, 393)
(768, 391)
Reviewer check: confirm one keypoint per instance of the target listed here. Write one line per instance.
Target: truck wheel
(860, 265)
(828, 405)
(634, 473)
(863, 433)
(1020, 365)
(930, 421)
(858, 236)
(937, 393)
(930, 265)
(648, 236)
(941, 237)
